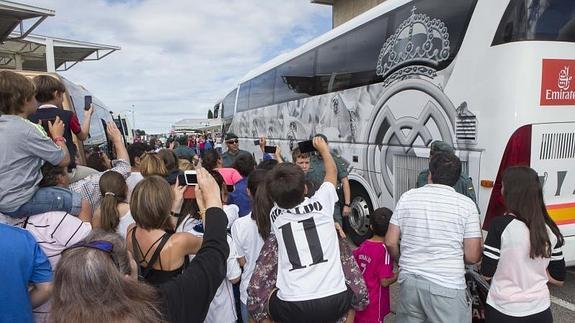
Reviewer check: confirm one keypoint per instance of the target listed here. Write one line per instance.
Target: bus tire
(357, 223)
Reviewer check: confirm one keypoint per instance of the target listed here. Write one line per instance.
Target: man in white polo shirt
(439, 231)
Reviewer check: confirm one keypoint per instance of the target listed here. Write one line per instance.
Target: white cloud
(178, 57)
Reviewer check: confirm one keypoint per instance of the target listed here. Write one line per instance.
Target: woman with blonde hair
(96, 280)
(152, 164)
(160, 252)
(522, 253)
(114, 214)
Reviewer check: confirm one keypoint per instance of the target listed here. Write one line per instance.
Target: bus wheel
(358, 221)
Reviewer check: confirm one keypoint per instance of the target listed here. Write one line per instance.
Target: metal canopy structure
(41, 53)
(13, 17)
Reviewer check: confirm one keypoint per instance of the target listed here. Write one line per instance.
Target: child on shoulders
(310, 280)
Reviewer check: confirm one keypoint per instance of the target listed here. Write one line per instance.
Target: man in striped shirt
(439, 231)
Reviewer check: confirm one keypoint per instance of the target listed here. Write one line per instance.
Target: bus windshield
(548, 20)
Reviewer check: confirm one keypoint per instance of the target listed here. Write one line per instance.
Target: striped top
(433, 221)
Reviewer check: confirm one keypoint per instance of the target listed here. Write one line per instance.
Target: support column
(50, 60)
(18, 61)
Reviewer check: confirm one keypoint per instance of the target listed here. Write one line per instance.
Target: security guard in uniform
(463, 186)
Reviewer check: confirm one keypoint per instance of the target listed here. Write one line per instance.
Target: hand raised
(113, 132)
(56, 128)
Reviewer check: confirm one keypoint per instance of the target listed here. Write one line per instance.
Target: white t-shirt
(54, 231)
(222, 308)
(433, 221)
(309, 265)
(125, 221)
(249, 243)
(233, 213)
(131, 181)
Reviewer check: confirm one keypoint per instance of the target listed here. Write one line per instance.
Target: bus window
(294, 79)
(454, 14)
(244, 97)
(228, 104)
(551, 20)
(262, 90)
(347, 61)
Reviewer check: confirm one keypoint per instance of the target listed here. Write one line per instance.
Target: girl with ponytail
(113, 215)
(522, 253)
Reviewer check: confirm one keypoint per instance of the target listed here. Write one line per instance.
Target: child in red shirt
(377, 268)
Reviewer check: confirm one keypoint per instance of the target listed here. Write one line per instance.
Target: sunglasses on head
(104, 246)
(233, 141)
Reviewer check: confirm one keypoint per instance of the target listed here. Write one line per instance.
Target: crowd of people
(96, 239)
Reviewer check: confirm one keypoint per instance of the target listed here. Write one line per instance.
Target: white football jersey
(309, 265)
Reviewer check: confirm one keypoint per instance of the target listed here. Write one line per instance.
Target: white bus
(491, 77)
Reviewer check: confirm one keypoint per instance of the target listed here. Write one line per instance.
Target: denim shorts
(48, 199)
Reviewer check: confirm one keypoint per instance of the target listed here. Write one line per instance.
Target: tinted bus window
(295, 79)
(350, 60)
(552, 20)
(244, 97)
(228, 104)
(262, 90)
(454, 14)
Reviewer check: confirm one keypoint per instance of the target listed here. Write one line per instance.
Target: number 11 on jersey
(313, 243)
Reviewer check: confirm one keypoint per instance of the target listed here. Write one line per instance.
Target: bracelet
(59, 138)
(172, 213)
(347, 204)
(202, 212)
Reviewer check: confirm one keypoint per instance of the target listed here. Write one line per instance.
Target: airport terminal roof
(34, 49)
(18, 20)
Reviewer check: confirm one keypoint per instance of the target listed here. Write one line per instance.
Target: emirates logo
(564, 80)
(556, 78)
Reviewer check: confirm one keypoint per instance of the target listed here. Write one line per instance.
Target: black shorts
(494, 316)
(325, 309)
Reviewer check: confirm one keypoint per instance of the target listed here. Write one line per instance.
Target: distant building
(344, 10)
(197, 125)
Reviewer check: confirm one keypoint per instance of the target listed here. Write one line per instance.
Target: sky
(177, 57)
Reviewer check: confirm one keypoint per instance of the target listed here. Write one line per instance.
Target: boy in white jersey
(310, 280)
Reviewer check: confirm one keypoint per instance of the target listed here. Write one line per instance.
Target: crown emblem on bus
(420, 40)
(564, 80)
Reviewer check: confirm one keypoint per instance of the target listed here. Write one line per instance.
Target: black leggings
(326, 309)
(494, 316)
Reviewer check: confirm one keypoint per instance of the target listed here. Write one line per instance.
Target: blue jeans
(245, 313)
(48, 199)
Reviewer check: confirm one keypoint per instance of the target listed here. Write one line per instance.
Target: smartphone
(181, 179)
(230, 188)
(87, 102)
(256, 142)
(306, 146)
(270, 149)
(191, 177)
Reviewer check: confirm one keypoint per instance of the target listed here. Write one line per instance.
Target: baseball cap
(230, 136)
(441, 146)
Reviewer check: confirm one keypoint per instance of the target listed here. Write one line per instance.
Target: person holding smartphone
(50, 96)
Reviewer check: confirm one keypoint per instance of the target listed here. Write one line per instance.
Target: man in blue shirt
(244, 164)
(22, 264)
